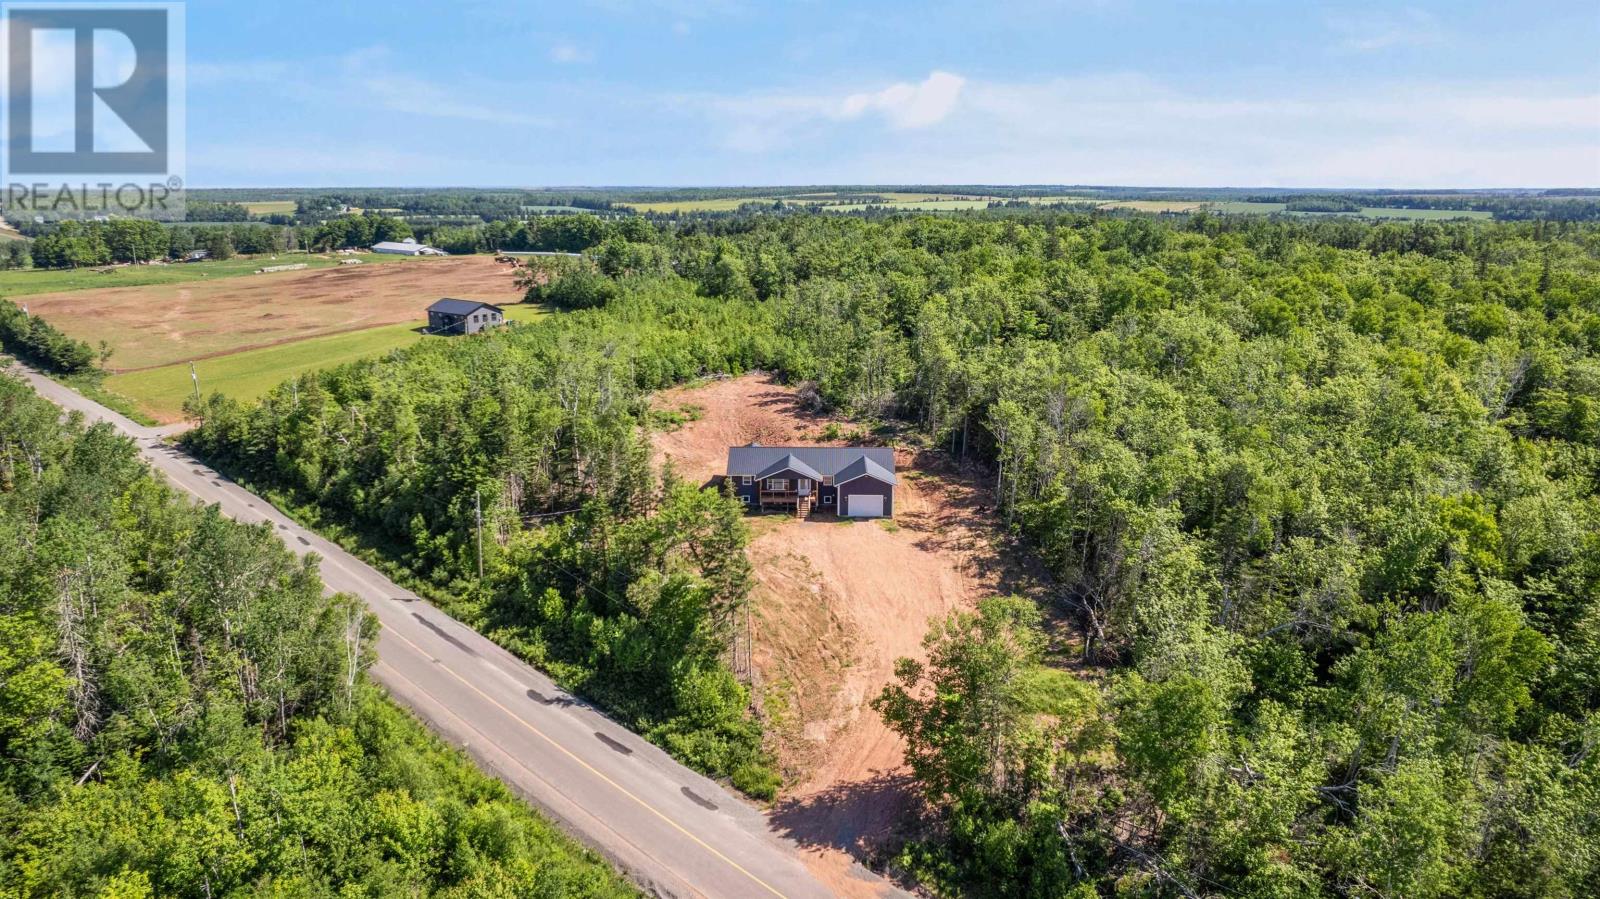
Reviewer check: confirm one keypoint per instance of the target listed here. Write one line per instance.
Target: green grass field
(269, 207)
(917, 205)
(919, 202)
(897, 197)
(31, 281)
(1153, 205)
(1386, 212)
(725, 204)
(1056, 201)
(891, 198)
(249, 374)
(1243, 207)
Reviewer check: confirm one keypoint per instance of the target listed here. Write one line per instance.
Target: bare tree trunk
(73, 595)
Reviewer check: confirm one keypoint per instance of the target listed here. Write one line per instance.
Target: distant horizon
(951, 187)
(1346, 95)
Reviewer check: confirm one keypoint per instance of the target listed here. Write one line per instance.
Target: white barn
(407, 247)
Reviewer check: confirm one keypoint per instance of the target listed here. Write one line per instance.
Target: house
(407, 247)
(851, 481)
(452, 316)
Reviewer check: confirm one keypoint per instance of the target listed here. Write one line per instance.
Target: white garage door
(865, 506)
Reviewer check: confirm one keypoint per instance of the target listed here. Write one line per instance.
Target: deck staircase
(802, 507)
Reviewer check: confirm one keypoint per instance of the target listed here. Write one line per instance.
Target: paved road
(674, 832)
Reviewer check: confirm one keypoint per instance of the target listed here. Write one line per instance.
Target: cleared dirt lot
(836, 604)
(167, 323)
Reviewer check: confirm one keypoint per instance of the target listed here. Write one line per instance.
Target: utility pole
(477, 507)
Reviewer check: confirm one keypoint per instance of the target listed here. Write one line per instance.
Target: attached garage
(848, 481)
(864, 505)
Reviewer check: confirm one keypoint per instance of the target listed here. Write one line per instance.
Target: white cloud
(758, 122)
(210, 74)
(323, 164)
(566, 53)
(1381, 30)
(683, 9)
(1128, 128)
(379, 82)
(422, 98)
(907, 105)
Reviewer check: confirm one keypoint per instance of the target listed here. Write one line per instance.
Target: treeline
(1322, 204)
(1553, 205)
(16, 254)
(312, 206)
(315, 205)
(73, 244)
(489, 205)
(206, 211)
(555, 233)
(623, 583)
(37, 341)
(184, 713)
(1321, 499)
(352, 231)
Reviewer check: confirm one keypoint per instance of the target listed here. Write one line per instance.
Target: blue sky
(691, 92)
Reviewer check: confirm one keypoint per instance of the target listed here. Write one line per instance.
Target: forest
(1320, 501)
(183, 713)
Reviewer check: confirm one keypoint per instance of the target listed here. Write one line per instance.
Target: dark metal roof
(790, 463)
(826, 461)
(451, 306)
(864, 467)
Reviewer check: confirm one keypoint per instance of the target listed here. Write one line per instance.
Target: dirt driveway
(836, 604)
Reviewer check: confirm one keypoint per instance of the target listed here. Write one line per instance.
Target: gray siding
(868, 486)
(828, 498)
(749, 461)
(444, 323)
(483, 318)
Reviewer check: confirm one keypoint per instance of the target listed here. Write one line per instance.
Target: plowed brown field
(166, 323)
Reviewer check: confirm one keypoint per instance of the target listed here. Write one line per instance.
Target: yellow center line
(570, 754)
(562, 749)
(520, 720)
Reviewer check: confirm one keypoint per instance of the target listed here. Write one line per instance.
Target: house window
(744, 480)
(827, 480)
(777, 484)
(827, 499)
(744, 498)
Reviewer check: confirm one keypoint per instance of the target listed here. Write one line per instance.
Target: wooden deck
(802, 502)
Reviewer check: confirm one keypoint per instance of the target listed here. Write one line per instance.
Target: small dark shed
(451, 316)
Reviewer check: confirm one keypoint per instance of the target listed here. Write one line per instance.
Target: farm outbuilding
(452, 316)
(407, 247)
(852, 482)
